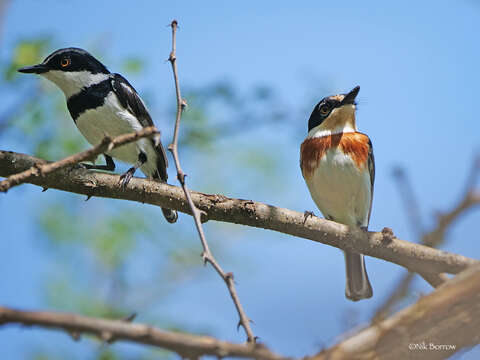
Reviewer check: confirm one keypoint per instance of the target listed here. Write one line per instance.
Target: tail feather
(357, 286)
(170, 215)
(161, 175)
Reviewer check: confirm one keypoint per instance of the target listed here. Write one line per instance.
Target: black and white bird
(104, 103)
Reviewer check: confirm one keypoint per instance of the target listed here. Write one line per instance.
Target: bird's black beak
(35, 69)
(350, 97)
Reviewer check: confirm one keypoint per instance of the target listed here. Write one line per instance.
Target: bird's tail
(357, 286)
(170, 215)
(161, 175)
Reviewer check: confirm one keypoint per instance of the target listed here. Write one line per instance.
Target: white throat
(340, 120)
(317, 131)
(73, 82)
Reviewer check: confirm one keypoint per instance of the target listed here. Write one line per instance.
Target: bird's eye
(65, 62)
(324, 109)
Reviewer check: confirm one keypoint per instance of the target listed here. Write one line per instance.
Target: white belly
(113, 120)
(340, 190)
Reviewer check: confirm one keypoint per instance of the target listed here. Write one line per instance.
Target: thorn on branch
(144, 191)
(181, 177)
(203, 215)
(44, 189)
(88, 197)
(205, 258)
(229, 276)
(387, 235)
(130, 317)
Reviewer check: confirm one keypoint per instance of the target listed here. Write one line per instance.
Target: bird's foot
(306, 215)
(81, 166)
(126, 177)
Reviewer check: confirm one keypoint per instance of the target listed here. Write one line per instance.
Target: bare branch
(434, 279)
(433, 238)
(186, 345)
(207, 254)
(435, 327)
(44, 168)
(415, 257)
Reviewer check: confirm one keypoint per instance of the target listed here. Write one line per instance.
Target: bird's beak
(35, 69)
(350, 97)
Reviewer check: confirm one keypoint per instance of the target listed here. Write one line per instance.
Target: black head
(324, 108)
(68, 60)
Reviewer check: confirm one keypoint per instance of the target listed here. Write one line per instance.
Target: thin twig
(8, 116)
(188, 346)
(415, 257)
(207, 254)
(105, 145)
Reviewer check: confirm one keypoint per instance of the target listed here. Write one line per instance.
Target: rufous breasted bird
(104, 103)
(338, 166)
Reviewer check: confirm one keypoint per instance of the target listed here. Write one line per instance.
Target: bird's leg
(127, 176)
(109, 166)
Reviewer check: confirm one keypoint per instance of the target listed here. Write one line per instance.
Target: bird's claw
(80, 166)
(306, 215)
(125, 179)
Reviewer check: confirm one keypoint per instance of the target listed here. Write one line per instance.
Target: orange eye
(65, 62)
(324, 109)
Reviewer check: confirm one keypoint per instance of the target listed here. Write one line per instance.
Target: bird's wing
(129, 98)
(371, 170)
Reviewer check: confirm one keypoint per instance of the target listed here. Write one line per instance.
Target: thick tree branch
(207, 254)
(186, 345)
(107, 144)
(417, 258)
(435, 327)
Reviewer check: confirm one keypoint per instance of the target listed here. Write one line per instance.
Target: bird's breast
(336, 172)
(113, 119)
(354, 146)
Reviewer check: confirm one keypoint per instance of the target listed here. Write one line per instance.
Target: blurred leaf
(107, 354)
(257, 159)
(262, 93)
(57, 223)
(27, 52)
(133, 65)
(63, 295)
(114, 237)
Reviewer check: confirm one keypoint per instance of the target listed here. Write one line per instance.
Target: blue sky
(417, 65)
